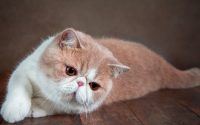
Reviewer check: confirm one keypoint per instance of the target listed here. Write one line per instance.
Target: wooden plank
(190, 98)
(115, 114)
(51, 120)
(156, 109)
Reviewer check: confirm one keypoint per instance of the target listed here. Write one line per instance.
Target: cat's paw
(40, 108)
(15, 110)
(37, 112)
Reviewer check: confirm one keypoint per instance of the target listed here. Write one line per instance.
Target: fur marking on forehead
(91, 74)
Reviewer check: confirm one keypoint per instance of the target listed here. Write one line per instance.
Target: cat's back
(117, 44)
(128, 52)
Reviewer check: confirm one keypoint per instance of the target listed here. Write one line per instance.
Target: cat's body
(148, 71)
(39, 86)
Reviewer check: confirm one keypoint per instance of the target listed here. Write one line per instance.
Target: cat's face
(80, 68)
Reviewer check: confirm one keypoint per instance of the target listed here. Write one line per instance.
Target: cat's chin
(73, 99)
(75, 107)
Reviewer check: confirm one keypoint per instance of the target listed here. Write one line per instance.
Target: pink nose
(80, 83)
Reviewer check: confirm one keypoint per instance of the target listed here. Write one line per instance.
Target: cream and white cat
(72, 72)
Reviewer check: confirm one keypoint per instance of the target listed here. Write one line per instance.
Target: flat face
(81, 75)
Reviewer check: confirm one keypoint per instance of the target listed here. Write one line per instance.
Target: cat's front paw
(37, 112)
(40, 108)
(14, 111)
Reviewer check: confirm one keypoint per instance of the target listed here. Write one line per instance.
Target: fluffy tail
(184, 79)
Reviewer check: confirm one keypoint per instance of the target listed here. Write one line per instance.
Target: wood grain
(162, 109)
(115, 114)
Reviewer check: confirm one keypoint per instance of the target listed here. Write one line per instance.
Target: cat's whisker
(85, 103)
(87, 114)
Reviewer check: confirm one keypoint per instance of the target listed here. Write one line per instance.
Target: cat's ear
(118, 69)
(68, 38)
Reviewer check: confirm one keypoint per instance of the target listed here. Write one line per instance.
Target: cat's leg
(18, 99)
(41, 107)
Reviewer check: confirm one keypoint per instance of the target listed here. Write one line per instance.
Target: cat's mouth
(78, 96)
(73, 94)
(73, 97)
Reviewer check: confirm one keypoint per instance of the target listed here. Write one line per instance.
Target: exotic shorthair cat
(72, 72)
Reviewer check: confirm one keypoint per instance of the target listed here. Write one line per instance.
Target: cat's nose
(80, 83)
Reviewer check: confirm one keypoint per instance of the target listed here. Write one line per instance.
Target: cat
(72, 72)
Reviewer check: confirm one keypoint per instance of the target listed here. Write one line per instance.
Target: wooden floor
(166, 107)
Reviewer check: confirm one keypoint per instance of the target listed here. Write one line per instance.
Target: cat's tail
(184, 79)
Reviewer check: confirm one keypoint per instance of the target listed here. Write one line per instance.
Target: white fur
(31, 94)
(91, 74)
(18, 99)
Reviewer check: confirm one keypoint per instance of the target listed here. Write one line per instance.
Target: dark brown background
(169, 27)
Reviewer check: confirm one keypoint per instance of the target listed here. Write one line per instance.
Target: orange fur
(148, 71)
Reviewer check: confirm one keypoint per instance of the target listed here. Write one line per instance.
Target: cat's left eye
(70, 71)
(94, 86)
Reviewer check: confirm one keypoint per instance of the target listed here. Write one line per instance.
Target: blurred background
(169, 27)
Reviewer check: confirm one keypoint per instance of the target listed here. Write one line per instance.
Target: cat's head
(81, 70)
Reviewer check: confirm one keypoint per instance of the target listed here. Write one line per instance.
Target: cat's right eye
(70, 71)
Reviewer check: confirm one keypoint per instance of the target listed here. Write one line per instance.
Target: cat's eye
(71, 71)
(94, 86)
